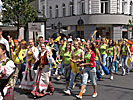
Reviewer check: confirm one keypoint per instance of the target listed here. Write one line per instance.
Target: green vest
(124, 51)
(111, 51)
(67, 57)
(62, 49)
(96, 54)
(87, 57)
(77, 52)
(103, 49)
(116, 50)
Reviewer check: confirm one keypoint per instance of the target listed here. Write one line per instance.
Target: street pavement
(121, 88)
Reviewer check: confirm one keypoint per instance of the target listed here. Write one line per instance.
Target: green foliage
(131, 22)
(18, 12)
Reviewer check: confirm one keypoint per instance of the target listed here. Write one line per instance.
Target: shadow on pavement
(124, 88)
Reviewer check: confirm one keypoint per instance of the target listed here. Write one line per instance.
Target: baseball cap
(46, 41)
(15, 40)
(70, 40)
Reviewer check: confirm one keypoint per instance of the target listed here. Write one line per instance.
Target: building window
(123, 6)
(89, 6)
(118, 6)
(64, 9)
(131, 6)
(71, 8)
(104, 6)
(43, 9)
(83, 7)
(50, 12)
(56, 11)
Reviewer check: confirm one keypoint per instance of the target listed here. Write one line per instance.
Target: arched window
(71, 8)
(123, 6)
(83, 7)
(89, 6)
(56, 11)
(64, 9)
(50, 12)
(104, 6)
(131, 7)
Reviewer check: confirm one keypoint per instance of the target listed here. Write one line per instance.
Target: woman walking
(103, 47)
(42, 84)
(7, 69)
(89, 69)
(111, 52)
(29, 75)
(67, 66)
(76, 58)
(124, 54)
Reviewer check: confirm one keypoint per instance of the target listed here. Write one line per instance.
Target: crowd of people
(31, 65)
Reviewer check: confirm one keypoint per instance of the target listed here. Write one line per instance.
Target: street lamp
(59, 27)
(80, 23)
(42, 19)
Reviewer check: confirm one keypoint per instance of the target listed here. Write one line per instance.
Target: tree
(18, 12)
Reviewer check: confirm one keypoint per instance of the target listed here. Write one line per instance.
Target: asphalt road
(121, 88)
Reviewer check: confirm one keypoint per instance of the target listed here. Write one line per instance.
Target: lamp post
(80, 23)
(42, 19)
(59, 27)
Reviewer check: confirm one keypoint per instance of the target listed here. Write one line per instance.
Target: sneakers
(89, 81)
(78, 97)
(94, 95)
(102, 74)
(68, 92)
(59, 77)
(111, 77)
(74, 84)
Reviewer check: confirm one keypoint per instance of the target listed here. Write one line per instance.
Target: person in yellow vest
(16, 54)
(24, 50)
(124, 52)
(103, 48)
(111, 52)
(76, 58)
(89, 69)
(60, 55)
(29, 75)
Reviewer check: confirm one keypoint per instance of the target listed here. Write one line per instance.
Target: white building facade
(109, 17)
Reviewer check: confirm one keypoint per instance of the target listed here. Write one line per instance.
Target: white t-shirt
(5, 42)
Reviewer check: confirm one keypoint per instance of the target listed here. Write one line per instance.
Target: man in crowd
(5, 42)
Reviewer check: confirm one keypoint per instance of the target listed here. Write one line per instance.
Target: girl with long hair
(89, 69)
(7, 70)
(76, 58)
(111, 52)
(67, 66)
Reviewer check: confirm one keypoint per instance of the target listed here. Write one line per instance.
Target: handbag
(105, 69)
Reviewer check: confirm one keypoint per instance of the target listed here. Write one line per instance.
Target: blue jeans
(103, 58)
(92, 72)
(97, 63)
(67, 73)
(72, 78)
(124, 66)
(116, 65)
(110, 63)
(61, 68)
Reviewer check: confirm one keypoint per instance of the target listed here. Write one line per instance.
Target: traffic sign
(34, 27)
(129, 28)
